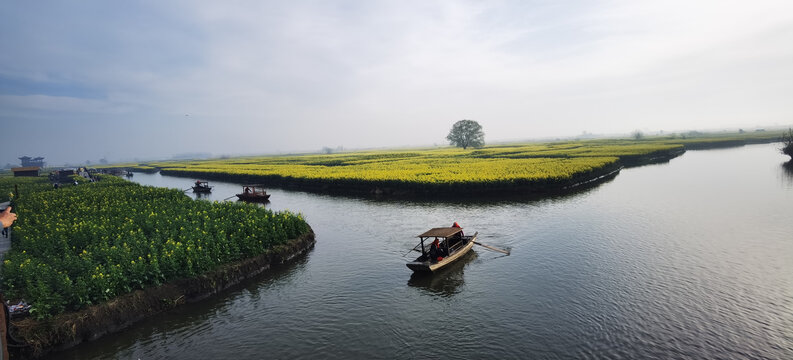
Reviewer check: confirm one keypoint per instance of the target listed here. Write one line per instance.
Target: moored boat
(450, 245)
(253, 193)
(202, 187)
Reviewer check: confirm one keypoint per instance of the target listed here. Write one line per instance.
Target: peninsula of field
(94, 257)
(514, 168)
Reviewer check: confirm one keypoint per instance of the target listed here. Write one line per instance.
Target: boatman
(456, 225)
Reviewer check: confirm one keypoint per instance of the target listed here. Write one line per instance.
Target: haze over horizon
(89, 80)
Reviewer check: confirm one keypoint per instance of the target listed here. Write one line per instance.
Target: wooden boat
(453, 244)
(202, 187)
(253, 193)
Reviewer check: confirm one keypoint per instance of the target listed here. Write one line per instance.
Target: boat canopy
(443, 232)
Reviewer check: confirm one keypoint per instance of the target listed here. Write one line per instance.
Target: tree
(787, 143)
(466, 133)
(638, 135)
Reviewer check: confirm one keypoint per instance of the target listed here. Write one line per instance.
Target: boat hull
(254, 198)
(427, 266)
(201, 189)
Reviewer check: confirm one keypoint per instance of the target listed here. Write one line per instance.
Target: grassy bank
(83, 245)
(68, 329)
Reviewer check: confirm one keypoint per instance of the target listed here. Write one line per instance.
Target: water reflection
(201, 195)
(153, 337)
(786, 173)
(788, 167)
(446, 282)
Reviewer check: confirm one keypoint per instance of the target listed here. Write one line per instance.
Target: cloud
(268, 76)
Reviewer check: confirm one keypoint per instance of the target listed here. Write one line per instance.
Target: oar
(412, 250)
(228, 197)
(492, 248)
(186, 189)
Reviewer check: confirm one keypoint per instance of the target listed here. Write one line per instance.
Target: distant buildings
(26, 171)
(28, 161)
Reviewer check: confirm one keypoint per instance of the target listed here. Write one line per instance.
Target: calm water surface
(690, 259)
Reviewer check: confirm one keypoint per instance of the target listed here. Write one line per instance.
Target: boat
(452, 245)
(202, 187)
(253, 193)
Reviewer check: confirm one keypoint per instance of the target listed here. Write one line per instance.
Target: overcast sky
(82, 80)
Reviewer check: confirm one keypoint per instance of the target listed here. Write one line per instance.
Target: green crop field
(85, 244)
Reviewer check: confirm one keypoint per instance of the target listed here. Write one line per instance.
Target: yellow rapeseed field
(497, 166)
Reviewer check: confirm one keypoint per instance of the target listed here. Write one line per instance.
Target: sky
(85, 80)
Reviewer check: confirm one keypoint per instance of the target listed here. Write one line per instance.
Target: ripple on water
(691, 259)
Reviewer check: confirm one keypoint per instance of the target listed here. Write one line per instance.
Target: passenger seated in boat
(436, 252)
(247, 190)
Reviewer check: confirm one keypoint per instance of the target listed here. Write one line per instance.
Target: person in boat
(247, 190)
(436, 252)
(198, 183)
(456, 225)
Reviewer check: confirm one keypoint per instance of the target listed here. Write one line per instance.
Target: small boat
(202, 187)
(253, 193)
(452, 245)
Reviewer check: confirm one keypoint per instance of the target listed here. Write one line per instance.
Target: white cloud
(317, 73)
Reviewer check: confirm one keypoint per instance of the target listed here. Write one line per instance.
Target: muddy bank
(655, 157)
(66, 330)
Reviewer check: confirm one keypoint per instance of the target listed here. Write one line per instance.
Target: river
(687, 259)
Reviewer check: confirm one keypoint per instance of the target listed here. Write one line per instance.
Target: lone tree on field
(787, 143)
(466, 133)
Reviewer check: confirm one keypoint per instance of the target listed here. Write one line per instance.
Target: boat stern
(419, 266)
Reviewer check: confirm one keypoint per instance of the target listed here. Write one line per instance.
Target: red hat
(456, 225)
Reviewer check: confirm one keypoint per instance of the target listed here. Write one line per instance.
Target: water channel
(688, 259)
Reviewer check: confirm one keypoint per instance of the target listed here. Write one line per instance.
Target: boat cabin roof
(443, 232)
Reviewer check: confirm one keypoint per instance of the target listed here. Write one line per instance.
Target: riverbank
(395, 189)
(537, 187)
(69, 329)
(525, 170)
